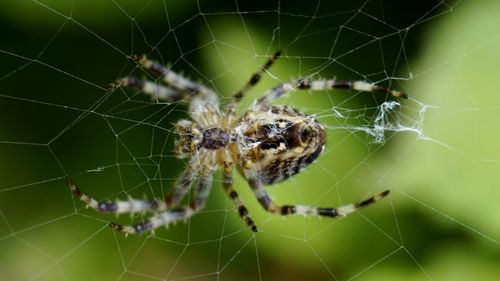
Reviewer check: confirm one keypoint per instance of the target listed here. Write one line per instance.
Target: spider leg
(163, 218)
(233, 195)
(321, 85)
(202, 190)
(178, 192)
(187, 88)
(238, 96)
(270, 206)
(155, 90)
(181, 187)
(169, 216)
(118, 207)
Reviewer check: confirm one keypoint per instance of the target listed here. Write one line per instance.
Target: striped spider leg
(322, 85)
(254, 80)
(164, 211)
(175, 88)
(265, 201)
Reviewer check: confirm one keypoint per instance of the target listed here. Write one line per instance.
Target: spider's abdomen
(285, 142)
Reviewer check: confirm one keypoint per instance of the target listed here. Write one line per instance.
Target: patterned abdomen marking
(287, 144)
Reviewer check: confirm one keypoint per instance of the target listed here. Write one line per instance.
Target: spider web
(437, 151)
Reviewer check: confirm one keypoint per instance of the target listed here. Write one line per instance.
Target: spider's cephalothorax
(267, 144)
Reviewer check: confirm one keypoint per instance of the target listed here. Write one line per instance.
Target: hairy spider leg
(233, 195)
(118, 207)
(167, 217)
(254, 80)
(321, 85)
(266, 202)
(199, 96)
(180, 189)
(176, 80)
(140, 206)
(156, 91)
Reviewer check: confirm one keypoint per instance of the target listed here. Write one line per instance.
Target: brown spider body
(277, 143)
(283, 142)
(267, 144)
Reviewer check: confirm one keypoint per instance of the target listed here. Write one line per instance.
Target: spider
(267, 144)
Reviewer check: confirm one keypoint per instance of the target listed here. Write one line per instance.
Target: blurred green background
(57, 118)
